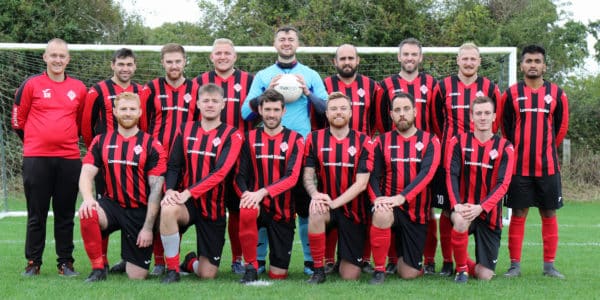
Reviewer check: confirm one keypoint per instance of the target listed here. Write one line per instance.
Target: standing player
(451, 111)
(203, 153)
(98, 116)
(269, 168)
(364, 93)
(406, 159)
(535, 119)
(133, 165)
(479, 166)
(46, 116)
(298, 113)
(235, 84)
(421, 86)
(170, 103)
(340, 160)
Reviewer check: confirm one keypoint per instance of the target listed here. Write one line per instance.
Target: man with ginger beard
(406, 159)
(133, 165)
(364, 93)
(347, 155)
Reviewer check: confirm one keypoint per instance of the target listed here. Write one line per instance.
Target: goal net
(91, 63)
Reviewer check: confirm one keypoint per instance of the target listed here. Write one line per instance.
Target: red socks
(248, 234)
(430, 242)
(277, 276)
(446, 237)
(380, 244)
(92, 239)
(316, 243)
(159, 251)
(105, 250)
(173, 263)
(460, 242)
(233, 228)
(516, 232)
(331, 243)
(550, 238)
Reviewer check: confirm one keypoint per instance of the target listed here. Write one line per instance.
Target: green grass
(577, 258)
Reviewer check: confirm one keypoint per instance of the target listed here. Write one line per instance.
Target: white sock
(170, 244)
(195, 266)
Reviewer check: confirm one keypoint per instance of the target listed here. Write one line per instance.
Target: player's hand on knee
(87, 207)
(144, 238)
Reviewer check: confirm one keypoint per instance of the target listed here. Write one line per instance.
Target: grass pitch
(578, 254)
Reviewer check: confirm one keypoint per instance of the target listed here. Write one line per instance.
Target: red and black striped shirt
(126, 164)
(452, 108)
(406, 166)
(168, 107)
(422, 89)
(364, 93)
(273, 163)
(536, 122)
(98, 115)
(202, 159)
(479, 173)
(336, 163)
(236, 89)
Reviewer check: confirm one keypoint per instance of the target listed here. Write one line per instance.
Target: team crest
(47, 93)
(352, 151)
(216, 142)
(237, 87)
(419, 146)
(424, 89)
(493, 154)
(187, 98)
(283, 146)
(360, 92)
(479, 94)
(71, 95)
(137, 149)
(548, 99)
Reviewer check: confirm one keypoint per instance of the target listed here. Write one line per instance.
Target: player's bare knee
(349, 271)
(383, 219)
(483, 273)
(406, 271)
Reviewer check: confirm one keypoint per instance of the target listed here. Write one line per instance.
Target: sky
(157, 12)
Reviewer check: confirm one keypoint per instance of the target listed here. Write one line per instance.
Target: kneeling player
(406, 159)
(340, 160)
(479, 168)
(269, 168)
(133, 165)
(202, 154)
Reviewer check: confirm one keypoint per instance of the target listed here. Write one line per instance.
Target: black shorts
(130, 222)
(281, 239)
(301, 197)
(487, 243)
(210, 235)
(351, 237)
(439, 190)
(527, 191)
(410, 239)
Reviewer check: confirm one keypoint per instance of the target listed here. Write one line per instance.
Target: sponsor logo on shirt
(47, 93)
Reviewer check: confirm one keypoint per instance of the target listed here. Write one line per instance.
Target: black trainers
(378, 278)
(237, 267)
(367, 268)
(158, 270)
(553, 272)
(317, 277)
(186, 262)
(172, 276)
(429, 269)
(447, 269)
(67, 270)
(513, 271)
(97, 275)
(118, 267)
(250, 275)
(32, 269)
(461, 277)
(391, 268)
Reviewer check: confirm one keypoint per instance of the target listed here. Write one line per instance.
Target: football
(289, 87)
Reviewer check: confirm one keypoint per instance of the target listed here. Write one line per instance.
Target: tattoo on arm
(156, 184)
(309, 181)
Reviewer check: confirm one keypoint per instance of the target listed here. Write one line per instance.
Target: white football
(289, 87)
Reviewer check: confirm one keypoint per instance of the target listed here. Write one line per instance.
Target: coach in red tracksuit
(45, 116)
